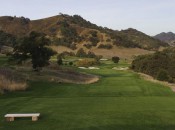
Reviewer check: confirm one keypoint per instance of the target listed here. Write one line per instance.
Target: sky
(149, 16)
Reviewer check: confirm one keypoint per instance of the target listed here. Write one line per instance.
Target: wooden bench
(11, 117)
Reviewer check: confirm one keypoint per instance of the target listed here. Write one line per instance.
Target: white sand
(120, 68)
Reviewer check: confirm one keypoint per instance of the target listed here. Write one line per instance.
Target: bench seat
(11, 117)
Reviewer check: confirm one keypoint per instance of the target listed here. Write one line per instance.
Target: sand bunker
(120, 68)
(90, 68)
(103, 59)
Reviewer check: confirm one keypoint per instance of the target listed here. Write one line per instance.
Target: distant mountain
(141, 40)
(166, 37)
(75, 32)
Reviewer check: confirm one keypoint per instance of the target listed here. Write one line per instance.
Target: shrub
(108, 40)
(160, 65)
(105, 46)
(59, 60)
(162, 75)
(87, 63)
(73, 46)
(115, 59)
(91, 54)
(65, 53)
(81, 53)
(88, 45)
(98, 57)
(71, 63)
(94, 40)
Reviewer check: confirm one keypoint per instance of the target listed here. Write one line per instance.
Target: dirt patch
(150, 78)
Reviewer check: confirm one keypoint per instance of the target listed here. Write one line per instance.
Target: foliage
(64, 42)
(163, 75)
(98, 57)
(141, 40)
(88, 45)
(156, 64)
(7, 39)
(93, 38)
(70, 63)
(115, 59)
(91, 54)
(81, 53)
(59, 60)
(70, 36)
(87, 62)
(35, 47)
(24, 20)
(105, 46)
(65, 53)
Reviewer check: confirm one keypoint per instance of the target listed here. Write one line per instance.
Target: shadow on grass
(130, 127)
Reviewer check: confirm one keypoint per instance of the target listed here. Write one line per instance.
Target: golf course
(120, 100)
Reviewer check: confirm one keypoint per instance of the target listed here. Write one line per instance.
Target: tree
(81, 53)
(59, 60)
(115, 59)
(162, 75)
(34, 46)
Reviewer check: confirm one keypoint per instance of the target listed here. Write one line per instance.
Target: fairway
(120, 100)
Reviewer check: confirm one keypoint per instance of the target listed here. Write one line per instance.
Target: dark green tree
(162, 75)
(115, 59)
(81, 53)
(34, 46)
(59, 60)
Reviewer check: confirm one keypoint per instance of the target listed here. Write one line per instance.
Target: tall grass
(11, 81)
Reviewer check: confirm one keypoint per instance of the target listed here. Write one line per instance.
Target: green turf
(119, 101)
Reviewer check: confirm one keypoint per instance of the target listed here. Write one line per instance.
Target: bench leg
(34, 118)
(10, 118)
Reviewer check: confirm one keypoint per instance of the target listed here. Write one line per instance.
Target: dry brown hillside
(74, 32)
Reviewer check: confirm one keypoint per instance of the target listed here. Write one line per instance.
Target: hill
(74, 32)
(166, 37)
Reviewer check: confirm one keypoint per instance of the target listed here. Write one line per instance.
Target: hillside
(166, 37)
(74, 32)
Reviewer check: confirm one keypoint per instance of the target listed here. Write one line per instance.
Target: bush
(59, 60)
(91, 54)
(105, 46)
(98, 57)
(162, 75)
(71, 63)
(81, 53)
(160, 65)
(65, 53)
(94, 40)
(115, 59)
(87, 63)
(73, 46)
(88, 45)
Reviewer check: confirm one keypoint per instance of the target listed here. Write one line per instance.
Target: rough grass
(10, 81)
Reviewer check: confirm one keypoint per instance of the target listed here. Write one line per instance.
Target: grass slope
(119, 101)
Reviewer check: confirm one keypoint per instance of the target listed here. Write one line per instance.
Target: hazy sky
(148, 16)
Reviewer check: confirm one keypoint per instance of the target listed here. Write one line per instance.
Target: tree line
(160, 65)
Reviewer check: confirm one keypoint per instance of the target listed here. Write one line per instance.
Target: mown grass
(119, 101)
